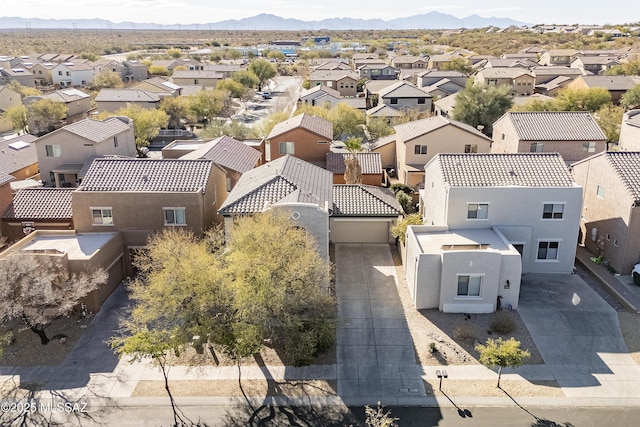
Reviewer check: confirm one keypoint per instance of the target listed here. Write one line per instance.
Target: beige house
(419, 141)
(79, 253)
(304, 136)
(160, 85)
(20, 74)
(42, 73)
(611, 207)
(63, 152)
(8, 99)
(616, 85)
(205, 78)
(345, 82)
(112, 100)
(488, 218)
(18, 157)
(404, 95)
(630, 131)
(558, 57)
(77, 102)
(520, 81)
(141, 196)
(6, 195)
(320, 96)
(573, 134)
(409, 61)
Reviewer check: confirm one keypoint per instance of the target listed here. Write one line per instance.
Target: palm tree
(353, 170)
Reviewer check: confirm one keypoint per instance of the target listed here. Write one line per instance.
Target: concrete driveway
(578, 335)
(375, 352)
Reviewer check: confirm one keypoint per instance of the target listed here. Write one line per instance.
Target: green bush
(401, 187)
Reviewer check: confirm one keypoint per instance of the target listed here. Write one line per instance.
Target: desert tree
(206, 104)
(347, 121)
(178, 297)
(497, 352)
(377, 127)
(631, 99)
(609, 118)
(23, 90)
(45, 115)
(264, 128)
(263, 70)
(177, 109)
(246, 78)
(38, 289)
(458, 64)
(106, 79)
(591, 99)
(235, 88)
(146, 122)
(399, 230)
(480, 106)
(18, 117)
(353, 168)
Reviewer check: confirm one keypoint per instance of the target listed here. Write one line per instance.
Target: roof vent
(512, 172)
(145, 178)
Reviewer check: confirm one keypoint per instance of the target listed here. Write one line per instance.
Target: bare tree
(38, 289)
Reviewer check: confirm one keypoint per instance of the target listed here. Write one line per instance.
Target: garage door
(359, 231)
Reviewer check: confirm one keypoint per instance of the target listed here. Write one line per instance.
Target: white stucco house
(630, 131)
(488, 218)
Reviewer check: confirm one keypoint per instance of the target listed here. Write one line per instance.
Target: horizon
(181, 12)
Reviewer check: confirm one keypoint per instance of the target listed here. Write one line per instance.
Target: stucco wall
(629, 134)
(313, 219)
(307, 146)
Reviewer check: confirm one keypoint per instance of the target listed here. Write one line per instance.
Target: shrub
(502, 323)
(432, 347)
(397, 187)
(464, 332)
(400, 230)
(404, 200)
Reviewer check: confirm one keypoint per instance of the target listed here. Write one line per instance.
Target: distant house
(301, 189)
(304, 136)
(488, 219)
(419, 141)
(345, 82)
(320, 96)
(556, 57)
(42, 73)
(431, 77)
(510, 63)
(404, 95)
(597, 65)
(359, 62)
(630, 131)
(18, 74)
(165, 193)
(18, 157)
(573, 134)
(552, 87)
(6, 195)
(409, 61)
(333, 65)
(233, 156)
(520, 81)
(206, 78)
(63, 152)
(8, 99)
(370, 163)
(611, 207)
(616, 85)
(546, 74)
(37, 209)
(160, 85)
(377, 72)
(71, 74)
(385, 112)
(445, 106)
(112, 100)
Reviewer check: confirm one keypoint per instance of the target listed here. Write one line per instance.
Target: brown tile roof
(411, 130)
(228, 153)
(147, 175)
(314, 124)
(41, 203)
(17, 153)
(504, 170)
(555, 126)
(370, 163)
(286, 179)
(357, 200)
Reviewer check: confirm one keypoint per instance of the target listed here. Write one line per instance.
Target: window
(421, 100)
(53, 150)
(174, 216)
(553, 210)
(115, 141)
(471, 148)
(600, 192)
(503, 136)
(195, 81)
(420, 149)
(537, 147)
(589, 147)
(68, 73)
(287, 148)
(329, 84)
(548, 250)
(469, 286)
(322, 142)
(59, 73)
(394, 101)
(228, 182)
(102, 216)
(477, 211)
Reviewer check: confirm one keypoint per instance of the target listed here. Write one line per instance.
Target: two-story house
(165, 193)
(42, 73)
(377, 72)
(616, 85)
(520, 81)
(18, 157)
(557, 57)
(419, 141)
(77, 102)
(304, 136)
(8, 99)
(205, 78)
(404, 95)
(63, 152)
(488, 219)
(610, 220)
(573, 134)
(19, 74)
(112, 100)
(597, 65)
(345, 82)
(409, 62)
(71, 74)
(320, 96)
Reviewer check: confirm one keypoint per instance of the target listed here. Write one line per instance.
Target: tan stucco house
(345, 82)
(573, 134)
(303, 136)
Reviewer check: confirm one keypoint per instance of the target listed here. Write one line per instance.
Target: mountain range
(431, 20)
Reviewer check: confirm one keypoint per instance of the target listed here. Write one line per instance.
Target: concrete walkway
(376, 357)
(578, 335)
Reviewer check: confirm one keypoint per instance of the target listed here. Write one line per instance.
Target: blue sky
(204, 11)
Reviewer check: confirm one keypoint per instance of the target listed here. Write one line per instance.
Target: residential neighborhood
(355, 222)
